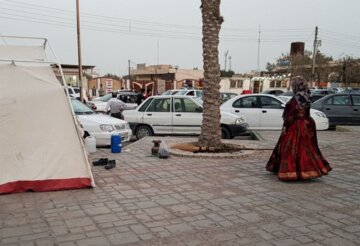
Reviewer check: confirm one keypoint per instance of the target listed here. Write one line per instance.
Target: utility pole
(314, 55)
(229, 63)
(344, 68)
(129, 73)
(258, 55)
(157, 52)
(81, 84)
(226, 54)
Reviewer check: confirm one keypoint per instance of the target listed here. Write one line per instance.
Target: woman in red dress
(297, 155)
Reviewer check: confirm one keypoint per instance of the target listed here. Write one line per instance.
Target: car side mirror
(198, 109)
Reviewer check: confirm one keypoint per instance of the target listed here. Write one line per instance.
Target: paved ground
(195, 201)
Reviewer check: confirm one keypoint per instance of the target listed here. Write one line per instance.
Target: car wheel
(225, 133)
(143, 131)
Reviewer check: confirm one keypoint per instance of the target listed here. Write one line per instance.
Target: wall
(108, 84)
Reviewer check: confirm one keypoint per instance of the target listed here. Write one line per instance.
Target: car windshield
(76, 90)
(182, 92)
(105, 98)
(167, 92)
(80, 108)
(288, 93)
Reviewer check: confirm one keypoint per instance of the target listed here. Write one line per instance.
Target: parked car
(227, 95)
(99, 104)
(178, 114)
(275, 92)
(170, 92)
(337, 89)
(340, 108)
(74, 91)
(315, 97)
(185, 92)
(100, 126)
(286, 96)
(191, 92)
(264, 111)
(128, 97)
(322, 91)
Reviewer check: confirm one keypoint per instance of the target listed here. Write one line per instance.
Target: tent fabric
(40, 149)
(17, 52)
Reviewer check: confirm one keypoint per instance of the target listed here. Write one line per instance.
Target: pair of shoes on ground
(101, 162)
(109, 164)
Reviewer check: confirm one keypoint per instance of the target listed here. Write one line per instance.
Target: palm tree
(210, 131)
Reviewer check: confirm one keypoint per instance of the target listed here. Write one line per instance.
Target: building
(71, 74)
(105, 84)
(159, 78)
(242, 84)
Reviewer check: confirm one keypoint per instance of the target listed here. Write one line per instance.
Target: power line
(133, 22)
(342, 34)
(124, 30)
(117, 25)
(340, 39)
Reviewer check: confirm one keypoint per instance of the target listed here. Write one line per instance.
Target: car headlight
(320, 114)
(239, 121)
(106, 128)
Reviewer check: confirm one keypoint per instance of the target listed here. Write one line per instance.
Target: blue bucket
(115, 143)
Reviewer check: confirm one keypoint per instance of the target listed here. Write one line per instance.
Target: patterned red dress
(297, 155)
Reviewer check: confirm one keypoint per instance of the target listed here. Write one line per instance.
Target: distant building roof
(72, 66)
(168, 69)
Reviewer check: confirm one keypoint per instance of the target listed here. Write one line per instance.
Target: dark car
(340, 108)
(286, 96)
(275, 92)
(127, 96)
(323, 92)
(315, 97)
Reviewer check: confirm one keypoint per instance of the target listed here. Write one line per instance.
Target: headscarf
(301, 91)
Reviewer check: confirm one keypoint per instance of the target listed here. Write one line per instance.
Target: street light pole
(81, 84)
(129, 73)
(314, 54)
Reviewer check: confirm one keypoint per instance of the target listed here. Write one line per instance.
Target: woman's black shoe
(111, 164)
(101, 161)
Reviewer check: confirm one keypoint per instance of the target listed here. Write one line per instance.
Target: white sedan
(100, 126)
(264, 112)
(178, 115)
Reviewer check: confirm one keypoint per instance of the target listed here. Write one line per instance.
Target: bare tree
(210, 131)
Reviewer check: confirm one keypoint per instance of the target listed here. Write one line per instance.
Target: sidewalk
(195, 201)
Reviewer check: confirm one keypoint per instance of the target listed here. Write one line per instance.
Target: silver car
(340, 108)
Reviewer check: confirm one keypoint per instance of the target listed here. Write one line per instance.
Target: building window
(283, 84)
(236, 83)
(278, 84)
(272, 84)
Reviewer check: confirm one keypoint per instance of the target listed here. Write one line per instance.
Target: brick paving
(195, 201)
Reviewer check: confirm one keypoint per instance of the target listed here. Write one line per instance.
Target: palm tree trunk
(210, 131)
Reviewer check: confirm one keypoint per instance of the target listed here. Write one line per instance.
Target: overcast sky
(169, 31)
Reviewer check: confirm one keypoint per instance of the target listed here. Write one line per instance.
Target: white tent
(40, 146)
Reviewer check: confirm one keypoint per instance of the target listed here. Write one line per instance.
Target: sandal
(101, 161)
(110, 165)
